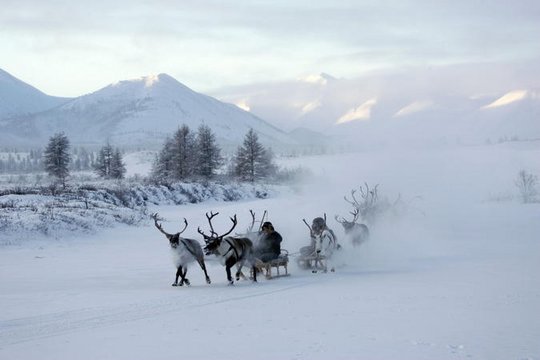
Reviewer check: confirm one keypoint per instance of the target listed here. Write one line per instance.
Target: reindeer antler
(185, 227)
(355, 214)
(309, 227)
(235, 222)
(265, 213)
(215, 234)
(252, 220)
(354, 202)
(156, 218)
(340, 221)
(210, 221)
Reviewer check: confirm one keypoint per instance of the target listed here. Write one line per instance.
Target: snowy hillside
(453, 274)
(139, 113)
(19, 98)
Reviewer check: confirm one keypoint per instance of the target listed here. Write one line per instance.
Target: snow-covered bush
(89, 207)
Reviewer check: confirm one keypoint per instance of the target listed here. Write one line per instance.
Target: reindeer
(323, 244)
(358, 233)
(184, 251)
(231, 250)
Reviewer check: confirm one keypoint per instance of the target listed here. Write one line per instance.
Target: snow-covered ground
(452, 273)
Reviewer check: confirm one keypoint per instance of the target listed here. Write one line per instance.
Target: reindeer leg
(184, 278)
(203, 266)
(229, 263)
(178, 274)
(239, 270)
(254, 267)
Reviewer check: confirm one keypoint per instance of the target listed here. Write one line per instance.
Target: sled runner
(311, 261)
(281, 261)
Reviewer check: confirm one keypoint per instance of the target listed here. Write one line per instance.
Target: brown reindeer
(184, 251)
(230, 250)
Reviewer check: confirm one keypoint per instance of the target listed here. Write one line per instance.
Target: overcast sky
(68, 48)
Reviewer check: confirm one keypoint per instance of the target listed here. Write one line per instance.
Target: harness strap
(188, 248)
(232, 247)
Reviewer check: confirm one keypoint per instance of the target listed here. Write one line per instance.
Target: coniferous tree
(162, 168)
(183, 153)
(118, 167)
(109, 164)
(102, 167)
(252, 161)
(57, 157)
(208, 153)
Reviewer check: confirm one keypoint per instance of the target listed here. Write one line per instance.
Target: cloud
(210, 43)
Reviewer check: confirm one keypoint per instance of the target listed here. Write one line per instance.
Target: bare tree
(526, 184)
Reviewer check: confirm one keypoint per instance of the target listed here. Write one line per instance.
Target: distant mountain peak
(147, 80)
(321, 79)
(19, 98)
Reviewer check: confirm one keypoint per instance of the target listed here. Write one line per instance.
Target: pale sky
(70, 47)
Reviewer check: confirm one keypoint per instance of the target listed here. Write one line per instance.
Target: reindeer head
(214, 240)
(348, 225)
(174, 239)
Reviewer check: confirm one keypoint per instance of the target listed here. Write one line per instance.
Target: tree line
(189, 155)
(13, 161)
(185, 156)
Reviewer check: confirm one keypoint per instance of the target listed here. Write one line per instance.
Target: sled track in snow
(31, 328)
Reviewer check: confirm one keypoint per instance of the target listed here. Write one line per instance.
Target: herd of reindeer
(238, 250)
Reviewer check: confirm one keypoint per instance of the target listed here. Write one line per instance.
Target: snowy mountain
(19, 98)
(473, 104)
(139, 112)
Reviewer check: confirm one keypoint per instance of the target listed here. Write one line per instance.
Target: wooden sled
(312, 262)
(266, 267)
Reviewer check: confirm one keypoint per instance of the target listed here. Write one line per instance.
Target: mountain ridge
(138, 112)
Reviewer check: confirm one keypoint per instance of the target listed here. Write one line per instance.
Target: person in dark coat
(268, 246)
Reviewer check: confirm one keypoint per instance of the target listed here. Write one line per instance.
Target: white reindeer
(184, 252)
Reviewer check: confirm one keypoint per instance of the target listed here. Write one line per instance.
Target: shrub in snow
(90, 207)
(526, 184)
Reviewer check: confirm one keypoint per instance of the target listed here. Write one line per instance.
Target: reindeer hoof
(186, 281)
(208, 281)
(175, 284)
(231, 282)
(333, 270)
